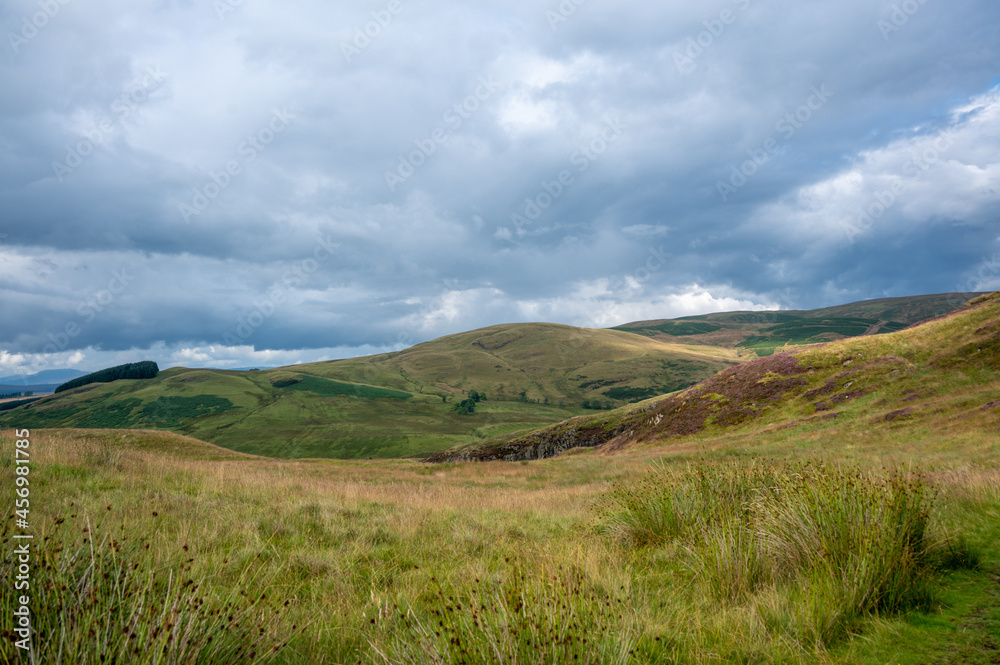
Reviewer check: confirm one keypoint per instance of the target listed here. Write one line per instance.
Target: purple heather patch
(895, 415)
(745, 391)
(839, 399)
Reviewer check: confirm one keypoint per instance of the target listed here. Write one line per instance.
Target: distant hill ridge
(45, 381)
(48, 376)
(764, 332)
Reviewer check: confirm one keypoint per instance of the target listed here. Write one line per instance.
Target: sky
(238, 183)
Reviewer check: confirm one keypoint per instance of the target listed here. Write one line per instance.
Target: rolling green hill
(391, 405)
(546, 362)
(762, 333)
(942, 376)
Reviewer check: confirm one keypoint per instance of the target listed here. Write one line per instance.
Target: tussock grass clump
(518, 617)
(96, 599)
(810, 549)
(670, 504)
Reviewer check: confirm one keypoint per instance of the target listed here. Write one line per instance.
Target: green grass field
(812, 331)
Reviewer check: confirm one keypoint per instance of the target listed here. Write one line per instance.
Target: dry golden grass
(345, 541)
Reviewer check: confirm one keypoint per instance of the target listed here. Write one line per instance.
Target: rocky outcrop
(539, 445)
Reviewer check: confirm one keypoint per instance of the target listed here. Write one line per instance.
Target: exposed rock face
(540, 445)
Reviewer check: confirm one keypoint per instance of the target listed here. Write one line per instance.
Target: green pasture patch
(328, 388)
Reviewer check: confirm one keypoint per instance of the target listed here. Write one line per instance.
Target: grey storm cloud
(290, 181)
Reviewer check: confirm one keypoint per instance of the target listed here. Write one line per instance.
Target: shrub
(466, 407)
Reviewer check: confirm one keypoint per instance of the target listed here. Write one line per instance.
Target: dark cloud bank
(258, 183)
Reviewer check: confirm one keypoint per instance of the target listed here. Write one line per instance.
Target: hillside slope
(764, 332)
(390, 405)
(546, 362)
(942, 377)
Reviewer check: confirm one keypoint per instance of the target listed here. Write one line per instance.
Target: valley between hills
(809, 488)
(403, 404)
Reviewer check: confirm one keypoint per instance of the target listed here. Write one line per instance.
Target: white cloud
(917, 181)
(520, 113)
(595, 304)
(11, 362)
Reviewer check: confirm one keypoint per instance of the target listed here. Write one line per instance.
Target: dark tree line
(8, 406)
(146, 369)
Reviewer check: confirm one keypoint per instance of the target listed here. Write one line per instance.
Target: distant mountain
(764, 332)
(40, 383)
(49, 376)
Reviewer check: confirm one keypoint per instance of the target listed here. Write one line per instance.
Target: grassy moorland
(765, 535)
(391, 405)
(153, 548)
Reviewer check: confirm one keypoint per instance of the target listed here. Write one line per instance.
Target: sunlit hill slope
(937, 380)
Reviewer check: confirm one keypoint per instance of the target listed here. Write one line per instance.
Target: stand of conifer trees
(146, 369)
